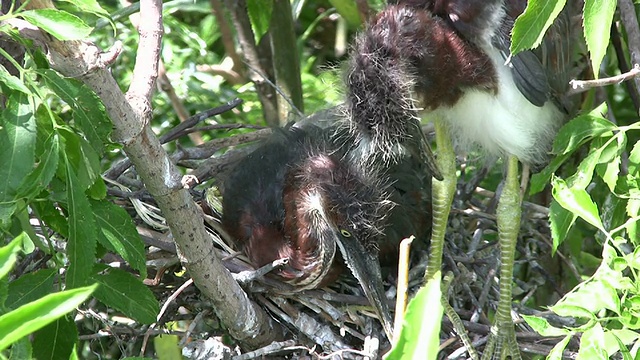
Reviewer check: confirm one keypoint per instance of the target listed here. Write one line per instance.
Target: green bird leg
(502, 340)
(442, 196)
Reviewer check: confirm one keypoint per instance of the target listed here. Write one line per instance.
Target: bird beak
(426, 155)
(366, 269)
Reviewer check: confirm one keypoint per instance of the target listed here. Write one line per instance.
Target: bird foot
(502, 343)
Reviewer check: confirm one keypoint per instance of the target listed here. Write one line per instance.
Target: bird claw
(502, 343)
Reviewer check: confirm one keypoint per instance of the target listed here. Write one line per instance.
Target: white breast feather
(506, 124)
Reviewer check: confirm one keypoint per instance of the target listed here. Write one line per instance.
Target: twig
(579, 86)
(179, 130)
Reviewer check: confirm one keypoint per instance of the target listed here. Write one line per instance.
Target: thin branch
(579, 86)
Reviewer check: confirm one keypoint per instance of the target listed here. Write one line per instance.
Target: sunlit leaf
(577, 201)
(530, 27)
(420, 335)
(61, 24)
(35, 315)
(598, 15)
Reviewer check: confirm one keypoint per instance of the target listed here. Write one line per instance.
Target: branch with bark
(130, 114)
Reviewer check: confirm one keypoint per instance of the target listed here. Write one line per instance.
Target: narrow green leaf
(56, 340)
(8, 254)
(577, 201)
(35, 315)
(60, 24)
(17, 144)
(122, 291)
(259, 12)
(598, 15)
(119, 234)
(420, 335)
(30, 287)
(530, 27)
(84, 161)
(12, 81)
(561, 220)
(89, 113)
(81, 246)
(40, 177)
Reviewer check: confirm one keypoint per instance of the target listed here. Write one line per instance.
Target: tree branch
(245, 320)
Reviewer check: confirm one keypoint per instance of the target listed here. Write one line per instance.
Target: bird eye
(345, 233)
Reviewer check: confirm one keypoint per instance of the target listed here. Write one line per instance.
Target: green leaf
(542, 326)
(557, 353)
(420, 335)
(35, 315)
(601, 295)
(90, 6)
(583, 175)
(40, 177)
(12, 81)
(81, 246)
(611, 173)
(89, 114)
(592, 344)
(60, 24)
(21, 349)
(259, 12)
(598, 15)
(633, 210)
(51, 215)
(580, 130)
(530, 27)
(616, 339)
(577, 201)
(56, 340)
(84, 161)
(119, 234)
(8, 254)
(561, 220)
(122, 291)
(634, 160)
(17, 144)
(30, 287)
(540, 180)
(349, 11)
(167, 347)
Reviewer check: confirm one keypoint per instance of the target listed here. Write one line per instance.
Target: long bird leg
(442, 196)
(502, 340)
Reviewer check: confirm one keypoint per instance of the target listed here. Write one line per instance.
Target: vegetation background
(73, 213)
